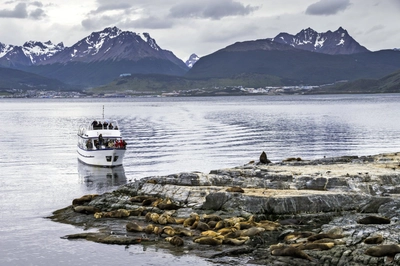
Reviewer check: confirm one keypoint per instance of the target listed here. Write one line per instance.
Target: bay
(40, 172)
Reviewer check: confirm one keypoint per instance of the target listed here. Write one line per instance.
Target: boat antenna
(103, 112)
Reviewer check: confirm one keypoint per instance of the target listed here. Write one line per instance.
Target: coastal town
(216, 91)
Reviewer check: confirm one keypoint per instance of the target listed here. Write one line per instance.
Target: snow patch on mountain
(193, 58)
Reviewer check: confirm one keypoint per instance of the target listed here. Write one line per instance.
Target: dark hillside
(296, 66)
(17, 79)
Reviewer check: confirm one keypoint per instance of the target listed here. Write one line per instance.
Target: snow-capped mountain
(39, 52)
(193, 58)
(108, 44)
(337, 42)
(30, 53)
(113, 44)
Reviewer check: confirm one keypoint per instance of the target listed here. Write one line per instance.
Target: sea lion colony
(209, 229)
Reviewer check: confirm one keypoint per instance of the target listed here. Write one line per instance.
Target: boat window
(115, 158)
(108, 158)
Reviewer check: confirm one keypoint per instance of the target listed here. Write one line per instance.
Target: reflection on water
(101, 179)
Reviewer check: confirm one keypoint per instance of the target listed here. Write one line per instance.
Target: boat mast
(103, 112)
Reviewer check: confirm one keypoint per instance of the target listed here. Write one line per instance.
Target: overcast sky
(199, 26)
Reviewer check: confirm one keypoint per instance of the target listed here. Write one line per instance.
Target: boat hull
(103, 157)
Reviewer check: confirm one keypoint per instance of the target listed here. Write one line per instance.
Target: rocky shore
(330, 211)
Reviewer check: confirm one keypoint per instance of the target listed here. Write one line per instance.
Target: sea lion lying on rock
(211, 241)
(290, 251)
(175, 240)
(315, 246)
(84, 199)
(235, 189)
(86, 209)
(384, 250)
(324, 235)
(133, 227)
(374, 240)
(374, 220)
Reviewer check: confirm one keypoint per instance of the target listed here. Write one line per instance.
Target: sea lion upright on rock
(264, 159)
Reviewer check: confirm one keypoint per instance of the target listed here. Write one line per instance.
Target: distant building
(125, 75)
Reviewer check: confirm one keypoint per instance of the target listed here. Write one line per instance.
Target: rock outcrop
(272, 214)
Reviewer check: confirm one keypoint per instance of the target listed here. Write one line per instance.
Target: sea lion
(292, 252)
(210, 233)
(194, 225)
(235, 234)
(296, 235)
(190, 221)
(292, 159)
(236, 241)
(264, 159)
(245, 225)
(383, 250)
(168, 206)
(324, 235)
(157, 230)
(154, 217)
(316, 246)
(183, 232)
(149, 229)
(330, 240)
(212, 224)
(202, 226)
(374, 240)
(219, 225)
(235, 189)
(179, 220)
(98, 215)
(211, 217)
(133, 227)
(252, 231)
(175, 240)
(374, 220)
(84, 199)
(212, 241)
(169, 230)
(86, 209)
(147, 217)
(162, 219)
(141, 198)
(233, 220)
(117, 213)
(226, 230)
(268, 225)
(137, 211)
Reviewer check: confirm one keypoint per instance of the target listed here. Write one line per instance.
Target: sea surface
(39, 172)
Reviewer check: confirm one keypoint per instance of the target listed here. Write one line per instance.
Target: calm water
(40, 173)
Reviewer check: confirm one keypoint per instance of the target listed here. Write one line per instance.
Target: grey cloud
(113, 6)
(37, 3)
(149, 23)
(327, 7)
(98, 22)
(18, 12)
(211, 9)
(38, 13)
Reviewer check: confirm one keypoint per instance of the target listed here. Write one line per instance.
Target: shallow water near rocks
(40, 173)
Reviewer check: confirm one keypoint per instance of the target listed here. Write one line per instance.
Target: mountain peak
(337, 42)
(193, 58)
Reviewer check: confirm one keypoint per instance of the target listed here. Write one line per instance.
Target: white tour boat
(100, 143)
